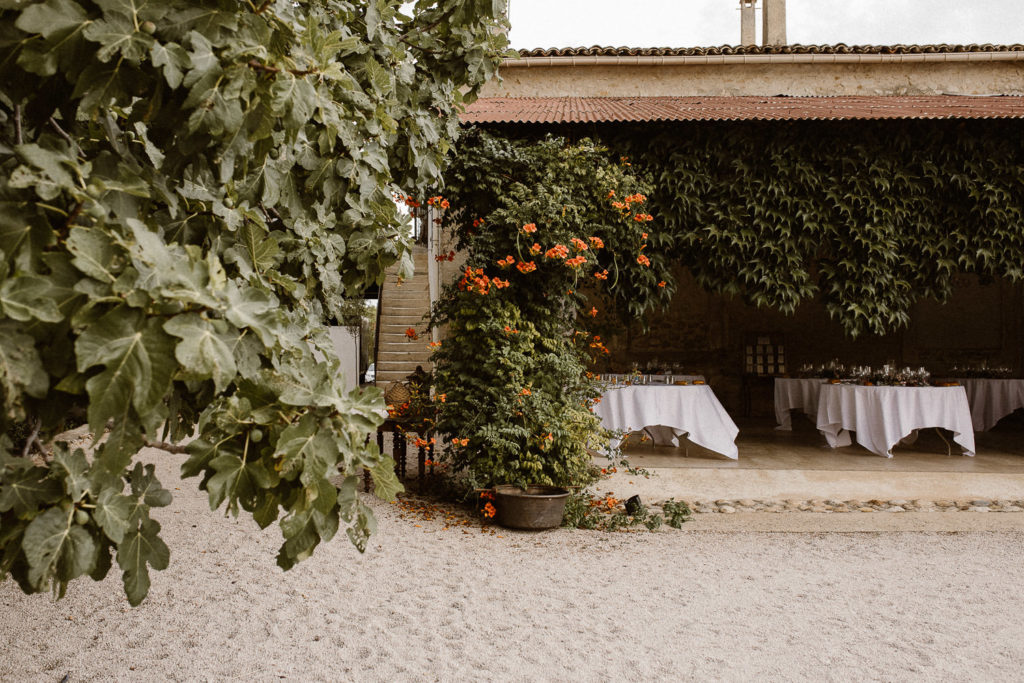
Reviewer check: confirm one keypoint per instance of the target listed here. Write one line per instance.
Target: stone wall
(818, 79)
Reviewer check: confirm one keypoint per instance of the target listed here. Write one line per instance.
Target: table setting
(667, 411)
(992, 393)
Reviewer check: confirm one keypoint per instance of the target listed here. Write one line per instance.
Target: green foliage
(513, 367)
(871, 216)
(584, 510)
(189, 191)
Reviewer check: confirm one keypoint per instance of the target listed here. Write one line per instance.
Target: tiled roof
(839, 49)
(636, 109)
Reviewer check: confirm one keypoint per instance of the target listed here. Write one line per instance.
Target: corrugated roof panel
(747, 108)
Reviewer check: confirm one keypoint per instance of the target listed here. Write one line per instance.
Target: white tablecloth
(692, 410)
(992, 399)
(882, 416)
(617, 378)
(798, 393)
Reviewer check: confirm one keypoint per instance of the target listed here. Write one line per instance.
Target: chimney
(774, 22)
(748, 34)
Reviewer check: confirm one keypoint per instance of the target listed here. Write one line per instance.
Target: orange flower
(526, 266)
(619, 205)
(434, 345)
(507, 261)
(557, 251)
(530, 228)
(579, 244)
(535, 249)
(442, 397)
(576, 262)
(643, 235)
(611, 193)
(593, 312)
(411, 334)
(662, 283)
(489, 510)
(603, 275)
(499, 283)
(643, 260)
(525, 391)
(596, 242)
(477, 222)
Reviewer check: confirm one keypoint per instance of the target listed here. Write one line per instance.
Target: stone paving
(723, 506)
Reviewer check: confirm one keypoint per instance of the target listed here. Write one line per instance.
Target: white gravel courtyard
(430, 603)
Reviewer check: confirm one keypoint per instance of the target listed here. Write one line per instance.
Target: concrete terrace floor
(800, 465)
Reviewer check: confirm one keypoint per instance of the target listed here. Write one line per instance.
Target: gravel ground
(433, 599)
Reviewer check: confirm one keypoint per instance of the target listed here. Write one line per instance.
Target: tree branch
(32, 438)
(260, 66)
(17, 125)
(164, 446)
(63, 133)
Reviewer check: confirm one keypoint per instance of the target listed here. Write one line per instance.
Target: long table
(882, 415)
(992, 399)
(693, 410)
(796, 393)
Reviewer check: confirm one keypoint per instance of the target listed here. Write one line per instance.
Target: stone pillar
(774, 22)
(748, 33)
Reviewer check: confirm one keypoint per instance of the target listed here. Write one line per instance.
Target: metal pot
(538, 507)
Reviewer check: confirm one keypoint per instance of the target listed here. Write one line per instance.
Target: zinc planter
(538, 507)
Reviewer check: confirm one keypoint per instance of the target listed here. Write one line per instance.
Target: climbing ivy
(870, 216)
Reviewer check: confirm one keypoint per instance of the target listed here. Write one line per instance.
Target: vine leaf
(236, 480)
(139, 547)
(23, 491)
(138, 360)
(114, 513)
(202, 350)
(57, 550)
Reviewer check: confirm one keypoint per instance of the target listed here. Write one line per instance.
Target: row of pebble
(749, 505)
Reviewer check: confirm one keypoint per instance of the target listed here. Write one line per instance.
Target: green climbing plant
(870, 216)
(551, 231)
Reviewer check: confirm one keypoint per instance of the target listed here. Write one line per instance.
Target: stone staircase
(403, 306)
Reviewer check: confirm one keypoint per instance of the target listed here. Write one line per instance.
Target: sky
(702, 23)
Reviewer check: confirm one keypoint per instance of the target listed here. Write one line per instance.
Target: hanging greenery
(871, 216)
(542, 224)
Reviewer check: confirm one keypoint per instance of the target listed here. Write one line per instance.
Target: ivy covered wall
(868, 217)
(865, 241)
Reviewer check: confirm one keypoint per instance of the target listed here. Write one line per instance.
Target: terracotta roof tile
(839, 49)
(636, 109)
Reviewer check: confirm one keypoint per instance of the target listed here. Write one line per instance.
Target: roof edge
(838, 48)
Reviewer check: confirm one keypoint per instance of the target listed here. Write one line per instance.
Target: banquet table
(693, 410)
(884, 415)
(622, 378)
(992, 399)
(799, 393)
